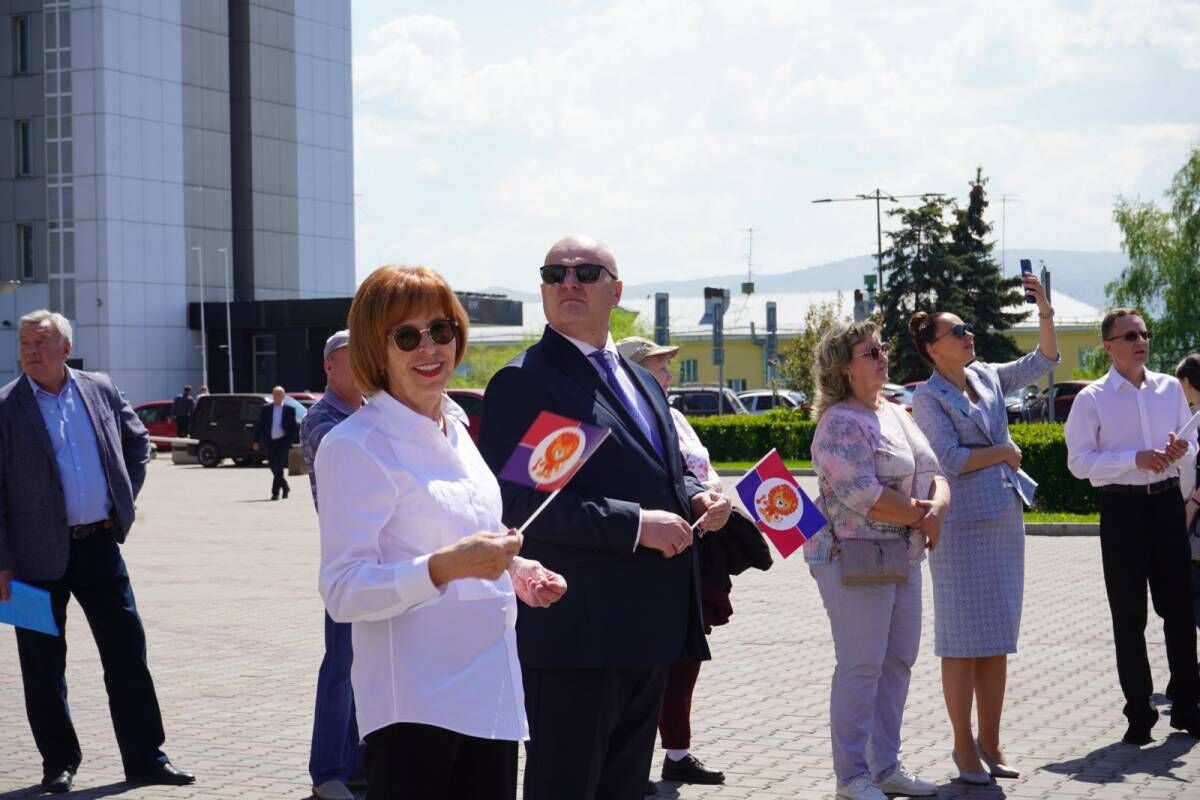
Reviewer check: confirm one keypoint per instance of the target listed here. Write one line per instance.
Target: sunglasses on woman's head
(408, 337)
(960, 331)
(1131, 336)
(875, 352)
(584, 273)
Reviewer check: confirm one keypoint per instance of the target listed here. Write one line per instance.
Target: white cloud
(667, 126)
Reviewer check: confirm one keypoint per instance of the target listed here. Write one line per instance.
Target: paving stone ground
(226, 584)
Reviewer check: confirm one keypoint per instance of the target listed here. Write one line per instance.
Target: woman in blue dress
(978, 569)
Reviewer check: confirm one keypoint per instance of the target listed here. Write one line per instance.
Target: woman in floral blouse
(878, 479)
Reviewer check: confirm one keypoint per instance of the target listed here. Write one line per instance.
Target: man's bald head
(571, 250)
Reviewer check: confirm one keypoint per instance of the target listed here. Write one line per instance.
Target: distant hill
(1081, 274)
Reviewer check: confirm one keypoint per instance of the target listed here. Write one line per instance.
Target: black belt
(1149, 488)
(84, 531)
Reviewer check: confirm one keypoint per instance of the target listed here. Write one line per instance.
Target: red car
(471, 401)
(156, 416)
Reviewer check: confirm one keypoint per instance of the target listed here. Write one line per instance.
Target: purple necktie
(604, 359)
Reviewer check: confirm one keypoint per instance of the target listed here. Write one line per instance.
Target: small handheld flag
(779, 506)
(550, 453)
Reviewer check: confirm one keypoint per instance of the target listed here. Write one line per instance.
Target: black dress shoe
(1137, 734)
(690, 769)
(1189, 725)
(651, 789)
(165, 774)
(57, 784)
(285, 492)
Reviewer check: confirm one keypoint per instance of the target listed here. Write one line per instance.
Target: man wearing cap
(335, 759)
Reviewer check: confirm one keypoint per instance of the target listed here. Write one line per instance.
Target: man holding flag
(595, 663)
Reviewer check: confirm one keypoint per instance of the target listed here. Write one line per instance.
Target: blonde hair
(388, 296)
(833, 354)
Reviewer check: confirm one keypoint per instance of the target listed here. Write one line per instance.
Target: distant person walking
(182, 410)
(1188, 373)
(72, 460)
(275, 432)
(1121, 437)
(336, 757)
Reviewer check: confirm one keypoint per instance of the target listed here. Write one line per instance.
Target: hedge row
(1044, 452)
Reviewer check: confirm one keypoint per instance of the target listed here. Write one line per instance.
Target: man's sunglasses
(960, 331)
(1131, 336)
(584, 273)
(875, 352)
(408, 337)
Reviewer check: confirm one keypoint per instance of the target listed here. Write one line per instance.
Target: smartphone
(1027, 269)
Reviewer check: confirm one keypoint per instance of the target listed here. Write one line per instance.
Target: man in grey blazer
(72, 459)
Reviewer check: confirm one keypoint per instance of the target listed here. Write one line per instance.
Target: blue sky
(484, 131)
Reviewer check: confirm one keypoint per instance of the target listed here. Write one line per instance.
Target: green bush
(1044, 457)
(746, 437)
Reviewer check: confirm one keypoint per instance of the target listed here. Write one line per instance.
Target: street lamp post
(228, 324)
(878, 196)
(203, 329)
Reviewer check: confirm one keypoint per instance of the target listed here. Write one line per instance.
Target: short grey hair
(60, 323)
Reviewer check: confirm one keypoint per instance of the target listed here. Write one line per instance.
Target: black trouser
(591, 732)
(183, 426)
(277, 457)
(410, 761)
(96, 575)
(1143, 540)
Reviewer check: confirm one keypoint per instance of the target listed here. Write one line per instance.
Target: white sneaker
(859, 788)
(901, 780)
(332, 790)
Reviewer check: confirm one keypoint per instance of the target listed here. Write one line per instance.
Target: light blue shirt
(76, 451)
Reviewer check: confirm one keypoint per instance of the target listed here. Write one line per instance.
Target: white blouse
(392, 489)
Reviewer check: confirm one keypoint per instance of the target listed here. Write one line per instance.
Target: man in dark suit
(72, 459)
(275, 432)
(595, 663)
(182, 409)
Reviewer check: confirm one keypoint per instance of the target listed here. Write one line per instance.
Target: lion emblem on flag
(556, 454)
(778, 504)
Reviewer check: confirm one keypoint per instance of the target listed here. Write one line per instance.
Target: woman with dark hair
(978, 569)
(1188, 373)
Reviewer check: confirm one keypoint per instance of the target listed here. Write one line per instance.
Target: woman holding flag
(884, 497)
(979, 571)
(414, 554)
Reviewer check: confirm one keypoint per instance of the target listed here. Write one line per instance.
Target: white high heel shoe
(973, 778)
(997, 768)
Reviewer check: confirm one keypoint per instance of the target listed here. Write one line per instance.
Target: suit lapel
(36, 421)
(575, 365)
(959, 401)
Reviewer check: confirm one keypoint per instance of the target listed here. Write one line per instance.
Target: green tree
(1163, 276)
(796, 357)
(938, 265)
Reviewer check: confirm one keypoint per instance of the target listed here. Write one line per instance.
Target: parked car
(471, 401)
(156, 416)
(701, 401)
(1016, 403)
(912, 385)
(224, 427)
(760, 401)
(306, 399)
(1063, 395)
(900, 395)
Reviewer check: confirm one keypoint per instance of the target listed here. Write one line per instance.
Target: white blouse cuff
(413, 582)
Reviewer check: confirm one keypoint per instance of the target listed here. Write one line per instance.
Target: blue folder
(28, 607)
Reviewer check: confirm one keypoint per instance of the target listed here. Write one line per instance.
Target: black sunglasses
(1131, 336)
(584, 273)
(960, 331)
(408, 337)
(875, 352)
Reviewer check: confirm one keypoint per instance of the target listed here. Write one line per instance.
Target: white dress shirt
(1111, 420)
(392, 489)
(277, 421)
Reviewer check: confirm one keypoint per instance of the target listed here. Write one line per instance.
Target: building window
(688, 370)
(20, 47)
(264, 362)
(25, 251)
(24, 140)
(737, 384)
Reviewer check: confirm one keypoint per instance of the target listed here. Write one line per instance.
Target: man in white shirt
(1121, 436)
(275, 432)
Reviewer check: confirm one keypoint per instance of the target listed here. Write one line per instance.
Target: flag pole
(540, 509)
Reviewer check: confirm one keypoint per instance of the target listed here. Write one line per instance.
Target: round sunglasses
(408, 337)
(584, 273)
(960, 331)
